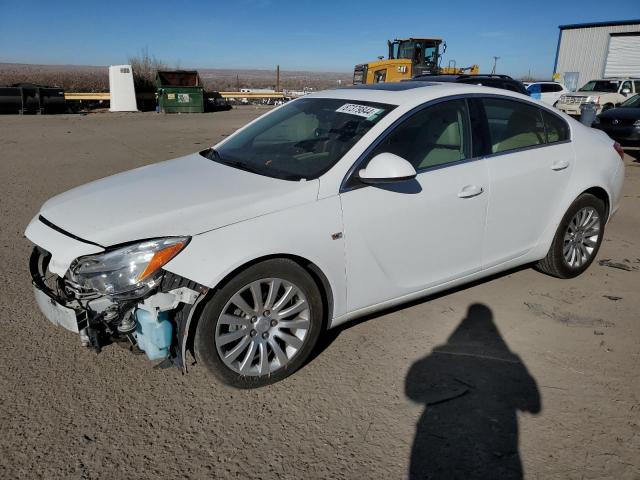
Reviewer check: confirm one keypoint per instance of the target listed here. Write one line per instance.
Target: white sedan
(332, 206)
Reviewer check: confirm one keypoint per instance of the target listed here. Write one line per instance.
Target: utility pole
(277, 78)
(495, 62)
(237, 83)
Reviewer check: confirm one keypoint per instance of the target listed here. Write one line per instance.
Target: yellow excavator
(408, 58)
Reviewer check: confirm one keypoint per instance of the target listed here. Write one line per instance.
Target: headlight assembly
(130, 270)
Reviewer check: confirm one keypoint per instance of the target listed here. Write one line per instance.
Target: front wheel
(261, 326)
(577, 240)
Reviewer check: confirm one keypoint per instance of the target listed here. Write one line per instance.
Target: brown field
(86, 78)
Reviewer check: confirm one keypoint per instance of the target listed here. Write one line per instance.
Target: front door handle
(560, 165)
(470, 191)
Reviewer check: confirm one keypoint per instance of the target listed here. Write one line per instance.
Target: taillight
(618, 148)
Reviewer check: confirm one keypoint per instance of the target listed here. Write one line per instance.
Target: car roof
(409, 93)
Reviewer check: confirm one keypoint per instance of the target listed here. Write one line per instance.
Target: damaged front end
(121, 295)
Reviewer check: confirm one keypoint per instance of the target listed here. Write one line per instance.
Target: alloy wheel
(581, 237)
(262, 327)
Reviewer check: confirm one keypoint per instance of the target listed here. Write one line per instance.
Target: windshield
(633, 102)
(601, 86)
(302, 139)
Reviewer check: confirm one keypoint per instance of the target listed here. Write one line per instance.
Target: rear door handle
(470, 191)
(560, 165)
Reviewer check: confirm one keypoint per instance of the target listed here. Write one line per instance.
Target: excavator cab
(424, 53)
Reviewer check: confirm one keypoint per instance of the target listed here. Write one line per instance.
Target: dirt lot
(519, 369)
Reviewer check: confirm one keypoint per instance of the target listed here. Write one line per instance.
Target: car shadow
(329, 336)
(472, 388)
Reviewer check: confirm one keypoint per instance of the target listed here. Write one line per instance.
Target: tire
(560, 261)
(244, 347)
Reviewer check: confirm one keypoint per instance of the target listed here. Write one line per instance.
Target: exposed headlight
(593, 99)
(130, 270)
(563, 99)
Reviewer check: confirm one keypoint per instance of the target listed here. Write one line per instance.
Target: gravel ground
(518, 374)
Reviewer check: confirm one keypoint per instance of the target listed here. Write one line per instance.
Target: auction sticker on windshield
(359, 110)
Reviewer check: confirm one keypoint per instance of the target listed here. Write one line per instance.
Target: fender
(312, 231)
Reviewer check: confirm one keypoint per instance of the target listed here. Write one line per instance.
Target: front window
(633, 102)
(436, 136)
(301, 140)
(609, 86)
(406, 50)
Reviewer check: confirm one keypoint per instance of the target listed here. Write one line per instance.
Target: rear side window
(513, 125)
(557, 129)
(550, 88)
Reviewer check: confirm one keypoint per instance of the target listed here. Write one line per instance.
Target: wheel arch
(601, 194)
(547, 237)
(310, 267)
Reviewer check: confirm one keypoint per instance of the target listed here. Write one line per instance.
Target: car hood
(185, 196)
(625, 113)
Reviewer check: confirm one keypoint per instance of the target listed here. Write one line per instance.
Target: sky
(319, 35)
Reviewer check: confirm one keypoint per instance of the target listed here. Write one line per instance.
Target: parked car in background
(622, 123)
(546, 92)
(504, 82)
(604, 93)
(333, 206)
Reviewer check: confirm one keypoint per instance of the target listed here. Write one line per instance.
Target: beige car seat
(522, 131)
(443, 143)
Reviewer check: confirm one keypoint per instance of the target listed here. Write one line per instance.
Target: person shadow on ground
(472, 388)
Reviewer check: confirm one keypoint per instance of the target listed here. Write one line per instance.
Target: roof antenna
(495, 62)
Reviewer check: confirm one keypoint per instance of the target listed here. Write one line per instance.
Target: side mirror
(626, 91)
(387, 168)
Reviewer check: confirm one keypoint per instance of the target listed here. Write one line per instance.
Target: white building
(589, 51)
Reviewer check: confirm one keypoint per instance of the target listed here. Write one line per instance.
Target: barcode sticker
(359, 110)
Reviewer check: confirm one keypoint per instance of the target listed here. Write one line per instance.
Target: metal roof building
(589, 51)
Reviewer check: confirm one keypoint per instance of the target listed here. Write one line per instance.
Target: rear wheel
(261, 326)
(577, 239)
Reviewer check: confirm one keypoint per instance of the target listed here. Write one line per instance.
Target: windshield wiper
(239, 165)
(213, 154)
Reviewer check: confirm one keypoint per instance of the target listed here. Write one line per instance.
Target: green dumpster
(180, 91)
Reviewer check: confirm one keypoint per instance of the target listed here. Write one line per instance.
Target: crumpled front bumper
(95, 317)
